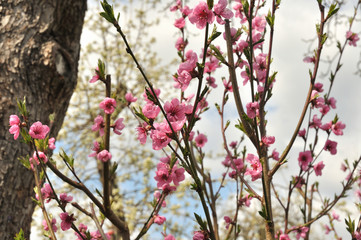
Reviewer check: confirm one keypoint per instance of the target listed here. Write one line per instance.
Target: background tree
(40, 44)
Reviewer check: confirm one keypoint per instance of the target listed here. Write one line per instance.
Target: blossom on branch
(201, 15)
(108, 105)
(38, 130)
(14, 122)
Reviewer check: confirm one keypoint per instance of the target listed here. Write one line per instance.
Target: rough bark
(40, 43)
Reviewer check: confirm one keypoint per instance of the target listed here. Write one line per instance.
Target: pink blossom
(252, 109)
(180, 23)
(318, 87)
(259, 23)
(255, 169)
(299, 181)
(316, 122)
(309, 59)
(175, 110)
(169, 237)
(159, 219)
(97, 236)
(142, 133)
(211, 65)
(335, 216)
(201, 15)
(199, 235)
(14, 122)
(118, 126)
(301, 232)
(177, 175)
(104, 156)
(318, 168)
(201, 140)
(168, 188)
(177, 6)
(343, 167)
(268, 140)
(211, 81)
(157, 196)
(358, 194)
(284, 236)
(162, 176)
(337, 128)
(221, 10)
(64, 198)
(42, 157)
(159, 136)
(38, 130)
(302, 133)
(182, 80)
(234, 38)
(228, 221)
(227, 85)
(66, 221)
(130, 98)
(242, 45)
(275, 155)
(180, 44)
(95, 148)
(53, 225)
(51, 143)
(96, 77)
(82, 229)
(330, 146)
(352, 37)
(108, 105)
(332, 102)
(326, 127)
(98, 125)
(304, 159)
(356, 235)
(190, 63)
(186, 11)
(150, 110)
(233, 144)
(246, 200)
(260, 66)
(46, 192)
(327, 229)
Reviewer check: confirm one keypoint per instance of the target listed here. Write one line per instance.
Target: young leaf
(201, 223)
(20, 235)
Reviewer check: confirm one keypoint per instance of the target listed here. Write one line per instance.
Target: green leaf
(270, 19)
(323, 38)
(227, 124)
(210, 4)
(20, 235)
(25, 161)
(213, 35)
(240, 126)
(108, 13)
(245, 5)
(263, 213)
(201, 223)
(333, 10)
(140, 114)
(218, 54)
(350, 225)
(22, 107)
(66, 158)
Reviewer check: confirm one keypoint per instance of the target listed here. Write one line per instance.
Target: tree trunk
(40, 43)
